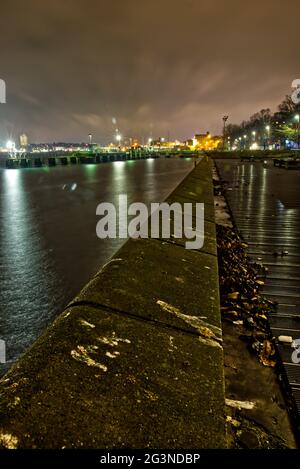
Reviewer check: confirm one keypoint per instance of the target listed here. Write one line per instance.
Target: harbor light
(10, 145)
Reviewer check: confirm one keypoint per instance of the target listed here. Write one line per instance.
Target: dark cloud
(155, 65)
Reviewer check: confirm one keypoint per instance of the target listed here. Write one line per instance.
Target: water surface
(48, 243)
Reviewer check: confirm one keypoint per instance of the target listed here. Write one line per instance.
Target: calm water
(48, 243)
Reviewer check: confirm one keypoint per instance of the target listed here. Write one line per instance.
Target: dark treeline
(264, 128)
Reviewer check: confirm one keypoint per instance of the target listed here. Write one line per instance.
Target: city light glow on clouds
(155, 66)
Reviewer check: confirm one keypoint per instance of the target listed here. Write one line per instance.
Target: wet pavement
(265, 203)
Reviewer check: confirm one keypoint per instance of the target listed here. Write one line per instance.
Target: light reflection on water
(48, 243)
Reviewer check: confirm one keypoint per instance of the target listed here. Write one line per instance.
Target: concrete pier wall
(136, 359)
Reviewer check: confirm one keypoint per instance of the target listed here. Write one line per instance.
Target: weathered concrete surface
(112, 381)
(148, 274)
(267, 424)
(136, 360)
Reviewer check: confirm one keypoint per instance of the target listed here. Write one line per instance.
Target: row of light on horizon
(118, 137)
(11, 145)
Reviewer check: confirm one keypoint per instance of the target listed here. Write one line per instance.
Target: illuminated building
(205, 142)
(23, 141)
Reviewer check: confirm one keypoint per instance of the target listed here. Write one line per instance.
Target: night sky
(156, 66)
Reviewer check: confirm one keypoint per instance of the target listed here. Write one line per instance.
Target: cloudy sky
(156, 66)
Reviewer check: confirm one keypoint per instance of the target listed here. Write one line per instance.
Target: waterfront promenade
(265, 203)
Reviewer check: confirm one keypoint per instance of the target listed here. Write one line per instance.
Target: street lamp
(268, 134)
(297, 118)
(224, 118)
(119, 138)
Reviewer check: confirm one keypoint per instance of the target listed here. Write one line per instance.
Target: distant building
(161, 142)
(206, 141)
(23, 141)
